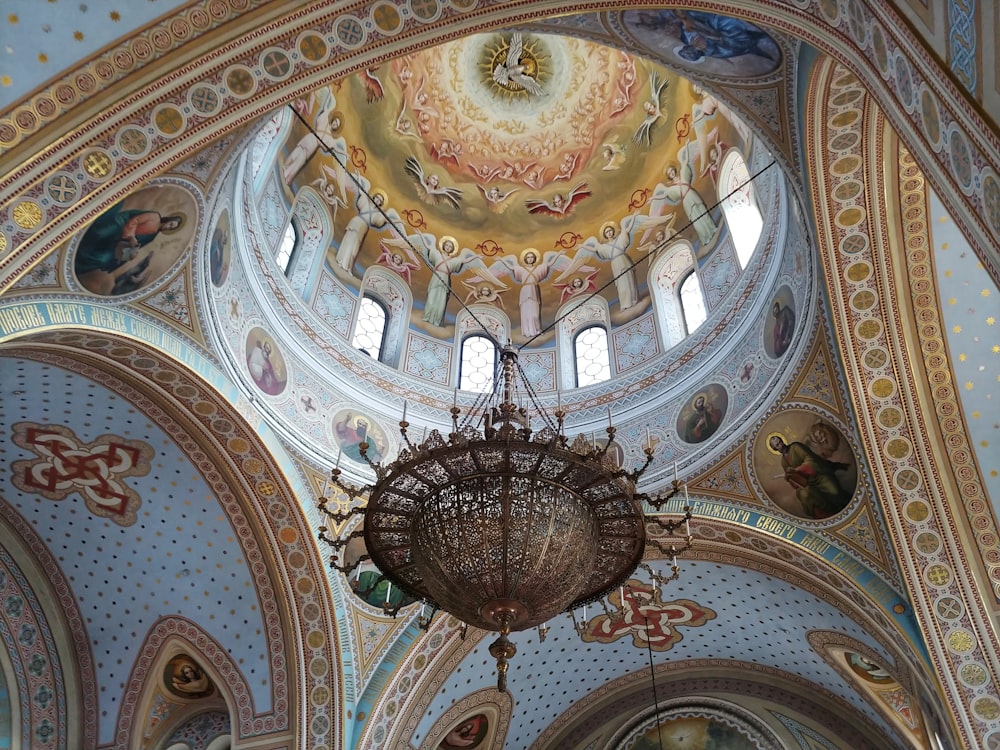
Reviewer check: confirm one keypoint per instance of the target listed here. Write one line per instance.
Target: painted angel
(496, 200)
(679, 190)
(612, 246)
(400, 259)
(481, 293)
(445, 260)
(559, 205)
(582, 282)
(372, 213)
(655, 107)
(429, 185)
(530, 270)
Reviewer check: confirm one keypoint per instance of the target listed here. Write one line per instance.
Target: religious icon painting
(136, 241)
(368, 583)
(468, 734)
(701, 416)
(265, 362)
(706, 43)
(805, 464)
(183, 677)
(351, 428)
(779, 326)
(219, 250)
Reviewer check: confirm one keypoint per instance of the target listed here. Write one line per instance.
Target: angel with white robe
(445, 260)
(680, 190)
(530, 270)
(372, 214)
(612, 246)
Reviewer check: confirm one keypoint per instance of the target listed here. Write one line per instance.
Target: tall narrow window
(740, 206)
(369, 332)
(479, 361)
(692, 302)
(593, 359)
(286, 250)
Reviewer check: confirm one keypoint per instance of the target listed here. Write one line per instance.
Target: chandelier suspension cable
(649, 253)
(652, 676)
(656, 249)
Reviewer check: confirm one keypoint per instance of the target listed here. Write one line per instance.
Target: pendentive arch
(252, 486)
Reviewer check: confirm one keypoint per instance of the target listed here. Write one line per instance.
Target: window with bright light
(286, 250)
(369, 331)
(692, 303)
(479, 361)
(739, 205)
(593, 359)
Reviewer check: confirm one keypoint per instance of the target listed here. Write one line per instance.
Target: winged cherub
(559, 205)
(655, 108)
(512, 71)
(496, 199)
(429, 185)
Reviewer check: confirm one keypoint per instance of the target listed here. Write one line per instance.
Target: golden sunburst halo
(535, 64)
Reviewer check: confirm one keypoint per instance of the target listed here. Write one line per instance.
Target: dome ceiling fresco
(511, 160)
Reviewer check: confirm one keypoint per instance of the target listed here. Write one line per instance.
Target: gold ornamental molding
(854, 152)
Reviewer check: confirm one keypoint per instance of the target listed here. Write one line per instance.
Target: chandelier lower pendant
(503, 527)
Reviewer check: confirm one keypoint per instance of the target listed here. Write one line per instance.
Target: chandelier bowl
(502, 531)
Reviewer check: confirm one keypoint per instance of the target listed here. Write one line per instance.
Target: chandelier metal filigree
(502, 526)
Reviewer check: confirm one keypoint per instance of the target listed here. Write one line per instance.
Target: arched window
(692, 302)
(369, 331)
(479, 361)
(593, 359)
(739, 205)
(286, 250)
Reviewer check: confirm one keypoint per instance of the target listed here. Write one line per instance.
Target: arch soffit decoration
(39, 232)
(904, 466)
(285, 551)
(757, 550)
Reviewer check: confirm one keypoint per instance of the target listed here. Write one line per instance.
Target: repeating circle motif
(386, 17)
(876, 358)
(869, 329)
(858, 272)
(854, 243)
(168, 119)
(62, 189)
(898, 448)
(961, 157)
(133, 141)
(930, 116)
(988, 708)
(890, 417)
(916, 511)
(849, 217)
(880, 49)
(425, 10)
(991, 200)
(847, 190)
(904, 81)
(846, 118)
(927, 542)
(350, 32)
(313, 47)
(972, 675)
(961, 641)
(938, 575)
(204, 99)
(949, 608)
(275, 63)
(240, 81)
(882, 388)
(846, 165)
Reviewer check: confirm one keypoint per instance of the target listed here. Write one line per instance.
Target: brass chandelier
(502, 526)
